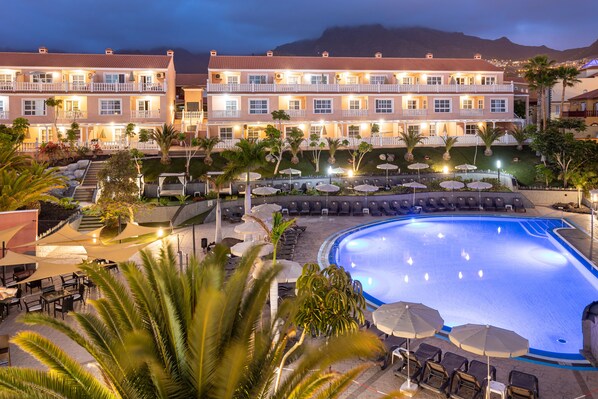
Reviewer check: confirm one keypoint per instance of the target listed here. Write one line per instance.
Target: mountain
(184, 60)
(365, 40)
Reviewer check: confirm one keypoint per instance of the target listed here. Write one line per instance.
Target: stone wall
(549, 197)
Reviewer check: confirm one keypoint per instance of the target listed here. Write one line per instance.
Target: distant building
(585, 106)
(589, 82)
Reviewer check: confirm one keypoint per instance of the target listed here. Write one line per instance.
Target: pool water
(506, 272)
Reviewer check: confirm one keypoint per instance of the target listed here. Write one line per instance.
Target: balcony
(415, 112)
(3, 114)
(151, 114)
(63, 87)
(295, 113)
(354, 112)
(580, 114)
(72, 115)
(471, 111)
(225, 113)
(357, 88)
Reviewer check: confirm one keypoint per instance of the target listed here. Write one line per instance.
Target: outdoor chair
(379, 184)
(518, 205)
(68, 281)
(446, 204)
(32, 285)
(391, 343)
(333, 208)
(386, 209)
(522, 386)
(374, 209)
(471, 384)
(437, 375)
(396, 206)
(435, 205)
(241, 189)
(357, 208)
(293, 209)
(472, 203)
(425, 207)
(345, 209)
(297, 187)
(286, 188)
(64, 307)
(417, 360)
(308, 186)
(80, 295)
(33, 306)
(8, 283)
(304, 208)
(406, 207)
(489, 204)
(14, 301)
(462, 204)
(500, 204)
(316, 208)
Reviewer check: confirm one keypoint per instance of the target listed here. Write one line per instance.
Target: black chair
(69, 281)
(407, 207)
(374, 209)
(333, 208)
(293, 208)
(472, 203)
(437, 375)
(425, 207)
(489, 204)
(446, 204)
(286, 188)
(316, 209)
(522, 386)
(241, 189)
(357, 208)
(396, 206)
(80, 295)
(9, 283)
(31, 285)
(434, 204)
(14, 301)
(345, 209)
(386, 209)
(304, 208)
(462, 204)
(33, 306)
(471, 384)
(500, 204)
(64, 307)
(417, 360)
(518, 205)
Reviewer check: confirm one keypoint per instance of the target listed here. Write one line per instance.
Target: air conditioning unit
(161, 75)
(90, 75)
(217, 76)
(338, 76)
(278, 76)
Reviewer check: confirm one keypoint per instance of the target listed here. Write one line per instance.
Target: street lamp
(498, 166)
(445, 170)
(594, 199)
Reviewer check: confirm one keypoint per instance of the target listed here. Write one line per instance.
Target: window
(466, 104)
(425, 104)
(442, 105)
(253, 133)
(322, 106)
(352, 80)
(230, 105)
(119, 135)
(41, 77)
(319, 79)
(226, 133)
(114, 78)
(411, 104)
(192, 106)
(480, 104)
(413, 129)
(34, 107)
(471, 129)
(354, 104)
(294, 104)
(384, 106)
(460, 80)
(353, 131)
(293, 80)
(232, 79)
(432, 129)
(257, 79)
(5, 78)
(488, 80)
(72, 108)
(316, 129)
(78, 81)
(407, 80)
(377, 79)
(110, 107)
(258, 106)
(434, 80)
(2, 106)
(498, 105)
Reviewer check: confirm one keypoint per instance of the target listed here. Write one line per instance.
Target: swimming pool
(508, 272)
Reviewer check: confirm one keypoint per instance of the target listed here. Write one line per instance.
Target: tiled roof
(83, 61)
(191, 79)
(228, 62)
(586, 96)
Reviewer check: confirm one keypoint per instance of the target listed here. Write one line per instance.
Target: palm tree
(568, 77)
(449, 143)
(333, 147)
(163, 137)
(168, 333)
(294, 139)
(541, 77)
(411, 140)
(218, 182)
(27, 187)
(489, 135)
(247, 156)
(207, 144)
(520, 135)
(55, 103)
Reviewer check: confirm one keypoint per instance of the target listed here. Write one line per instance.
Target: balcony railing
(64, 87)
(294, 113)
(72, 115)
(3, 114)
(136, 114)
(225, 114)
(580, 114)
(415, 112)
(471, 111)
(357, 88)
(355, 112)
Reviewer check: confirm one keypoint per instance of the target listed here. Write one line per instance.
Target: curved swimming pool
(509, 272)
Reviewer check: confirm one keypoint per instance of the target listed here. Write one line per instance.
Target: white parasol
(327, 188)
(418, 167)
(366, 188)
(414, 185)
(452, 185)
(466, 167)
(242, 247)
(387, 167)
(479, 185)
(290, 172)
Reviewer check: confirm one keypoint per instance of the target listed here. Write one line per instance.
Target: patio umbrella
(366, 188)
(489, 341)
(230, 241)
(387, 167)
(264, 211)
(248, 179)
(327, 188)
(265, 191)
(418, 167)
(466, 167)
(452, 185)
(338, 171)
(242, 247)
(249, 227)
(414, 185)
(407, 320)
(479, 185)
(290, 272)
(290, 172)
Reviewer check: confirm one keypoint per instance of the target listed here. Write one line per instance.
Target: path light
(330, 175)
(160, 232)
(445, 170)
(498, 166)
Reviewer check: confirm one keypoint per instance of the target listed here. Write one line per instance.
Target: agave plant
(489, 135)
(207, 144)
(333, 146)
(411, 140)
(167, 333)
(449, 143)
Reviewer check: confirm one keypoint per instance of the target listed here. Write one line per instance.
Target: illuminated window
(322, 106)
(384, 106)
(226, 133)
(498, 105)
(34, 107)
(110, 107)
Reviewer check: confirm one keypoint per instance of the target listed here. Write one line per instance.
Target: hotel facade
(344, 97)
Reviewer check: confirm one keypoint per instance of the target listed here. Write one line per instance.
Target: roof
(82, 61)
(349, 63)
(191, 79)
(593, 64)
(586, 96)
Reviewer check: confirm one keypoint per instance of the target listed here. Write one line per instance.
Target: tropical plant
(182, 199)
(449, 143)
(545, 174)
(163, 137)
(207, 144)
(568, 76)
(137, 155)
(357, 152)
(294, 140)
(489, 135)
(118, 179)
(276, 146)
(411, 140)
(162, 332)
(279, 116)
(375, 129)
(540, 75)
(316, 146)
(55, 103)
(582, 180)
(333, 146)
(520, 135)
(190, 151)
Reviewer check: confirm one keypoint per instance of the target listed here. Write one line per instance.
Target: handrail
(68, 220)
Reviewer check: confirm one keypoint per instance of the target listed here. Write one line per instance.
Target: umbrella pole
(488, 380)
(408, 368)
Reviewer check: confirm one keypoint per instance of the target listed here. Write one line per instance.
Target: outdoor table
(54, 296)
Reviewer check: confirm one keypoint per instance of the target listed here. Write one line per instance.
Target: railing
(354, 112)
(189, 115)
(294, 113)
(3, 114)
(471, 111)
(580, 114)
(358, 88)
(72, 115)
(227, 143)
(136, 114)
(82, 87)
(415, 112)
(225, 114)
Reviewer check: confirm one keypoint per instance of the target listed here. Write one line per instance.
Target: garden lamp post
(498, 166)
(350, 176)
(593, 198)
(330, 175)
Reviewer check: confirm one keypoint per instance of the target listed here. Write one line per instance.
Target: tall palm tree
(333, 147)
(541, 77)
(568, 76)
(294, 139)
(247, 156)
(25, 188)
(164, 137)
(489, 135)
(411, 140)
(520, 135)
(207, 144)
(449, 143)
(168, 333)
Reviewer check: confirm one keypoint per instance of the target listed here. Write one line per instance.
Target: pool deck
(554, 382)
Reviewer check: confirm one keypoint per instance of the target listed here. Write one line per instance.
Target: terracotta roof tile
(586, 96)
(227, 62)
(68, 60)
(191, 79)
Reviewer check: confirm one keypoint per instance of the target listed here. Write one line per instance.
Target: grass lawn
(523, 170)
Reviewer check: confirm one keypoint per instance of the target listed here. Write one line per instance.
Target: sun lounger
(432, 203)
(471, 384)
(345, 209)
(448, 206)
(500, 204)
(374, 209)
(518, 205)
(437, 375)
(293, 208)
(417, 360)
(316, 208)
(241, 189)
(304, 208)
(472, 203)
(489, 204)
(357, 208)
(425, 207)
(462, 204)
(391, 343)
(522, 386)
(333, 208)
(396, 206)
(386, 209)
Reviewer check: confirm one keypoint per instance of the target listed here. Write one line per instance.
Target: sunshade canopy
(14, 258)
(46, 270)
(337, 171)
(407, 320)
(115, 253)
(135, 230)
(290, 171)
(466, 166)
(489, 340)
(250, 227)
(452, 185)
(242, 247)
(266, 208)
(387, 166)
(66, 235)
(252, 176)
(414, 185)
(7, 234)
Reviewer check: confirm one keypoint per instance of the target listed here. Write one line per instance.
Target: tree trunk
(544, 109)
(248, 195)
(285, 357)
(277, 165)
(331, 160)
(295, 159)
(562, 100)
(165, 159)
(446, 156)
(218, 232)
(409, 156)
(488, 152)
